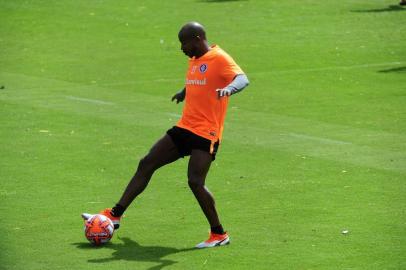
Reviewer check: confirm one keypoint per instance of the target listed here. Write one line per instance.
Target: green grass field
(314, 146)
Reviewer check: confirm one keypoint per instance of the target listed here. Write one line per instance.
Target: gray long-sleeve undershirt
(238, 84)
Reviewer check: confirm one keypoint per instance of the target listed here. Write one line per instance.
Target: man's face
(188, 46)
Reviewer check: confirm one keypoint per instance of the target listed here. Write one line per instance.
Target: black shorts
(186, 141)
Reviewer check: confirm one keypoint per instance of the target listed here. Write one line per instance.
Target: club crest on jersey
(203, 68)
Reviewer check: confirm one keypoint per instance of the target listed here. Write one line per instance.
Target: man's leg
(199, 165)
(162, 153)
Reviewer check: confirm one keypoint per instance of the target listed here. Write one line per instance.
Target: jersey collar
(210, 54)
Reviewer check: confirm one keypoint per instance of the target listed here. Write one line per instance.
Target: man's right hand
(179, 96)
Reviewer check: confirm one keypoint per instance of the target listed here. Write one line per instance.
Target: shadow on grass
(386, 9)
(130, 250)
(389, 70)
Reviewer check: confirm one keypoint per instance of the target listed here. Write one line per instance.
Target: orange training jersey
(203, 112)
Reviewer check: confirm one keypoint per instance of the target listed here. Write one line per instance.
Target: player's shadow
(396, 70)
(130, 250)
(385, 9)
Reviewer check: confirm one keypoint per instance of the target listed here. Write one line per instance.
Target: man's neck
(205, 48)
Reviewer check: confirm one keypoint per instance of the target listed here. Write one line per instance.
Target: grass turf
(315, 145)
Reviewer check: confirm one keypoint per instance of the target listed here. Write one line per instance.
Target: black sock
(117, 211)
(217, 230)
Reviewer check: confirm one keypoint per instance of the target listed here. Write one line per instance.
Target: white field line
(180, 80)
(94, 101)
(159, 80)
(267, 72)
(174, 115)
(317, 139)
(330, 68)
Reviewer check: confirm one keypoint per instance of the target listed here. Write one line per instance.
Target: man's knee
(195, 183)
(146, 165)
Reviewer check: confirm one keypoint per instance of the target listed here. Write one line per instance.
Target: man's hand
(238, 84)
(179, 96)
(224, 92)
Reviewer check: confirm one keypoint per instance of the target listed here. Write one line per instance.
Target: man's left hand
(223, 92)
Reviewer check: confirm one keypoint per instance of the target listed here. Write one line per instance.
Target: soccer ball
(99, 229)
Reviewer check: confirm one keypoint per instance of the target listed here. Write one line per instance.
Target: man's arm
(238, 84)
(179, 96)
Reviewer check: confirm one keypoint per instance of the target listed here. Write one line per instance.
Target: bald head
(192, 30)
(193, 39)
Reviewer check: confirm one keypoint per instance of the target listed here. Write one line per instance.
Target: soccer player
(211, 78)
